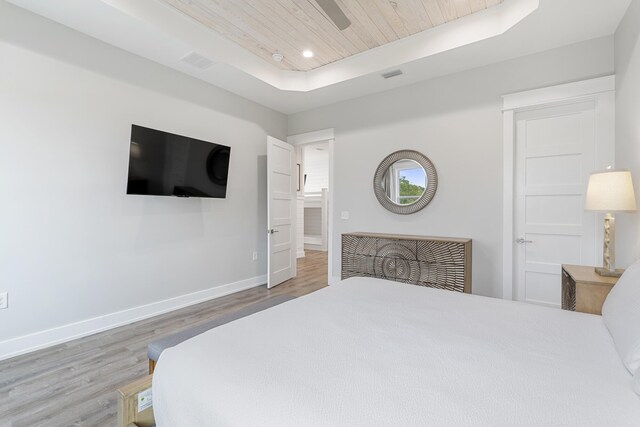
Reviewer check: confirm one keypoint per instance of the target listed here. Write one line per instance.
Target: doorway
(554, 138)
(313, 197)
(314, 200)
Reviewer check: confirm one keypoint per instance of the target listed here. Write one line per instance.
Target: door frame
(310, 138)
(600, 90)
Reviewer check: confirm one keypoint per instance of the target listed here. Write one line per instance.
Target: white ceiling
(515, 28)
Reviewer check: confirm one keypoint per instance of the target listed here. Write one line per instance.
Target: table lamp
(610, 191)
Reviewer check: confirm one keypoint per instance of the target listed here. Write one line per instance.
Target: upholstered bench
(155, 348)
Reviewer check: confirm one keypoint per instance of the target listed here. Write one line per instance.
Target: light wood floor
(73, 384)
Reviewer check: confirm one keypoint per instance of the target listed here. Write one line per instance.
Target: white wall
(73, 245)
(316, 167)
(627, 62)
(457, 122)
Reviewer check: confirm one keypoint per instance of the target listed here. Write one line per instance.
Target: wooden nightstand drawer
(583, 289)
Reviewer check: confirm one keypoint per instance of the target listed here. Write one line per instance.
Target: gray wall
(627, 61)
(73, 245)
(457, 122)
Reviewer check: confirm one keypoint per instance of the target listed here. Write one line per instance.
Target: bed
(370, 352)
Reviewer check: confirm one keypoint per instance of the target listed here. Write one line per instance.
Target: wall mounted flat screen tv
(165, 164)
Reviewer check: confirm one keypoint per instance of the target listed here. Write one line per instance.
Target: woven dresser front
(568, 292)
(436, 262)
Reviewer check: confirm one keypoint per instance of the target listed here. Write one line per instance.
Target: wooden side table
(583, 289)
(128, 404)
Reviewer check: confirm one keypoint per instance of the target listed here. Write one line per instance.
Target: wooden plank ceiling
(289, 27)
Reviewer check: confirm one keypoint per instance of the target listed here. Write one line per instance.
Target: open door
(281, 187)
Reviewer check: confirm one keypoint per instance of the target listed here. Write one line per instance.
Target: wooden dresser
(583, 289)
(436, 262)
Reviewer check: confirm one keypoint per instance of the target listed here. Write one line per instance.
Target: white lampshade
(611, 191)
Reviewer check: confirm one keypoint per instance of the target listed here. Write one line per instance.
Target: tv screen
(165, 164)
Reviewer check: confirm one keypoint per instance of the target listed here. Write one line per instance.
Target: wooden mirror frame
(429, 192)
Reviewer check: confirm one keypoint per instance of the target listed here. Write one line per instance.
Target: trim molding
(554, 94)
(508, 156)
(309, 137)
(300, 250)
(50, 337)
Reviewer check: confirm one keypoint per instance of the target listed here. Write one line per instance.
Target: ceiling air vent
(390, 74)
(197, 60)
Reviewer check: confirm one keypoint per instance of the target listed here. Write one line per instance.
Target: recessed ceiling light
(307, 53)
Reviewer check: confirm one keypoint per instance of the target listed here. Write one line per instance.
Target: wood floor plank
(74, 384)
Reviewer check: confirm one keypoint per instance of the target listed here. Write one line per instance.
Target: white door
(281, 210)
(555, 153)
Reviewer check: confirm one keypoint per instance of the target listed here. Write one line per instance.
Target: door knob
(522, 240)
(271, 231)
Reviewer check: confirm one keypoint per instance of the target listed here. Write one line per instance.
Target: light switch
(344, 215)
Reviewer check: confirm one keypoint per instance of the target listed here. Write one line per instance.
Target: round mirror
(405, 182)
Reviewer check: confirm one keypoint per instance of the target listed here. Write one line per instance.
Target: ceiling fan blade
(335, 13)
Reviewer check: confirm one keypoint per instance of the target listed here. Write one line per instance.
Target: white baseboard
(314, 247)
(47, 338)
(300, 254)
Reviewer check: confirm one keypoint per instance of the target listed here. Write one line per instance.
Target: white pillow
(621, 315)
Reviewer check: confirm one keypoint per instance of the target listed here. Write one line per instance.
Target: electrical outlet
(255, 256)
(4, 300)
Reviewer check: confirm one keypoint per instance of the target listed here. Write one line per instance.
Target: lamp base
(608, 273)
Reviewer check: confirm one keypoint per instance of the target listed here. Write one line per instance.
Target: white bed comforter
(369, 352)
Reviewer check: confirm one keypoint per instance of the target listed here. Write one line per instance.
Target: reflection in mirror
(405, 182)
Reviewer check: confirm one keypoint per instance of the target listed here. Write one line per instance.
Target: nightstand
(583, 289)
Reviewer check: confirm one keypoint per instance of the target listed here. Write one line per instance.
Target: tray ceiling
(158, 32)
(289, 27)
